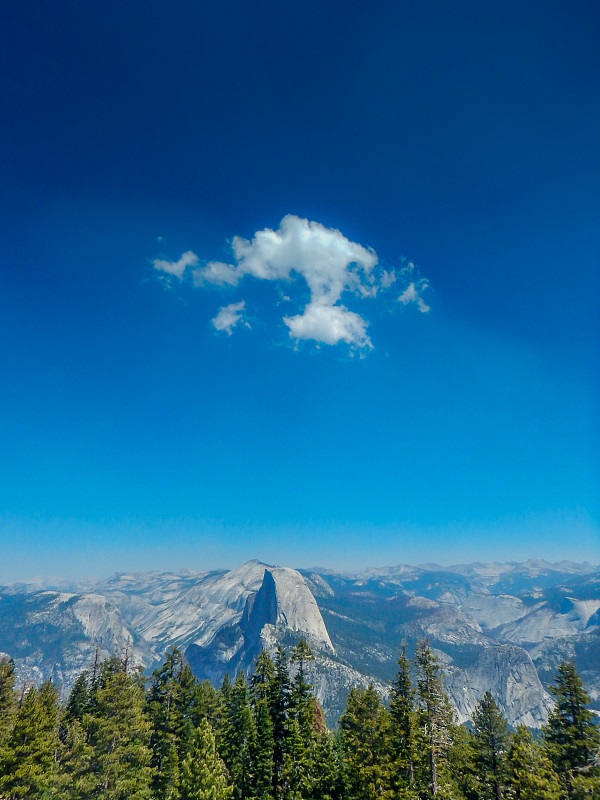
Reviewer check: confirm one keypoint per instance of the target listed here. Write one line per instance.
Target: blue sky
(332, 414)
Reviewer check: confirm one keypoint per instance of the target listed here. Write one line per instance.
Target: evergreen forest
(121, 736)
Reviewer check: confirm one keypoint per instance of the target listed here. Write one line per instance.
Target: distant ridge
(498, 626)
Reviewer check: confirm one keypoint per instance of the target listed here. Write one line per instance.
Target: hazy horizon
(137, 562)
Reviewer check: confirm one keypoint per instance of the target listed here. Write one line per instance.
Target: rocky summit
(497, 627)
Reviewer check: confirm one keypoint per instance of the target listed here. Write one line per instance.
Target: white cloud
(329, 264)
(330, 325)
(229, 316)
(328, 261)
(217, 272)
(176, 268)
(412, 295)
(387, 279)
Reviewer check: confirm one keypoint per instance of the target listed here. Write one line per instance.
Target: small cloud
(330, 325)
(387, 279)
(229, 316)
(412, 295)
(176, 268)
(218, 273)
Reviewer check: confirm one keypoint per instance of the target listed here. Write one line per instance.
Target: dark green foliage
(299, 766)
(263, 675)
(238, 739)
(327, 778)
(164, 705)
(261, 694)
(490, 745)
(402, 725)
(366, 756)
(263, 750)
(75, 778)
(8, 699)
(199, 700)
(203, 774)
(572, 736)
(530, 773)
(461, 764)
(79, 700)
(184, 740)
(119, 734)
(280, 699)
(28, 762)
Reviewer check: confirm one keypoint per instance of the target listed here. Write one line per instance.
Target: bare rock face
(285, 600)
(176, 608)
(508, 673)
(56, 635)
(283, 604)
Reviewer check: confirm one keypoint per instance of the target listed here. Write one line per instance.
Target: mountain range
(502, 627)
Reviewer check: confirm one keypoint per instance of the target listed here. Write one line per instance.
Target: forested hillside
(122, 737)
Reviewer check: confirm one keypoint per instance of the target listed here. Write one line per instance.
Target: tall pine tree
(164, 708)
(490, 746)
(436, 720)
(300, 767)
(530, 773)
(572, 737)
(402, 735)
(119, 734)
(280, 700)
(79, 702)
(238, 739)
(8, 699)
(364, 736)
(203, 774)
(28, 762)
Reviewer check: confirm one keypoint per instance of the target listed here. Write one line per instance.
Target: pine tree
(572, 737)
(327, 779)
(8, 699)
(238, 739)
(436, 720)
(164, 708)
(78, 704)
(490, 745)
(28, 763)
(300, 766)
(280, 700)
(401, 732)
(363, 731)
(263, 751)
(119, 734)
(261, 688)
(529, 770)
(461, 764)
(75, 779)
(203, 774)
(263, 675)
(301, 656)
(219, 718)
(199, 700)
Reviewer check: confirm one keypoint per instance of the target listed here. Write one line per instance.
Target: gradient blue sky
(461, 136)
